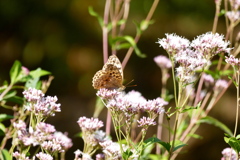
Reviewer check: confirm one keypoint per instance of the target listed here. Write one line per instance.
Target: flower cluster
(131, 104)
(234, 62)
(195, 55)
(234, 4)
(173, 44)
(233, 16)
(209, 45)
(227, 153)
(40, 105)
(44, 135)
(89, 124)
(111, 150)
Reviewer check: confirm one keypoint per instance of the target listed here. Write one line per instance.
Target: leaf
(130, 41)
(4, 117)
(35, 77)
(95, 14)
(5, 155)
(144, 24)
(189, 108)
(39, 73)
(234, 143)
(127, 154)
(215, 122)
(152, 140)
(195, 136)
(222, 12)
(179, 146)
(16, 99)
(10, 94)
(2, 129)
(15, 71)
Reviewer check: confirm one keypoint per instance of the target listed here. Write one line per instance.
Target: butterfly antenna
(127, 85)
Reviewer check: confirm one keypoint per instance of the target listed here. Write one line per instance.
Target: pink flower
(91, 124)
(173, 44)
(163, 62)
(146, 122)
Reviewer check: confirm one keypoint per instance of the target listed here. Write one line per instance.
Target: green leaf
(10, 94)
(4, 117)
(95, 14)
(39, 73)
(152, 140)
(189, 108)
(16, 99)
(127, 154)
(238, 136)
(35, 77)
(2, 129)
(179, 146)
(130, 41)
(5, 155)
(222, 12)
(234, 143)
(144, 24)
(15, 71)
(217, 123)
(195, 136)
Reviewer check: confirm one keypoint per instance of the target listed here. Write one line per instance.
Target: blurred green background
(60, 36)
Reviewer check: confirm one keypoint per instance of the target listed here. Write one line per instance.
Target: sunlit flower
(85, 156)
(44, 156)
(111, 150)
(33, 95)
(90, 124)
(21, 156)
(40, 105)
(146, 122)
(173, 44)
(234, 62)
(107, 94)
(210, 44)
(100, 156)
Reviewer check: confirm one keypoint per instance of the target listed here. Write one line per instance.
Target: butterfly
(111, 75)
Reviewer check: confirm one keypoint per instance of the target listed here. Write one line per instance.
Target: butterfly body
(111, 75)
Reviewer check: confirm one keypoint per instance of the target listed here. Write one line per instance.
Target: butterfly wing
(115, 62)
(111, 75)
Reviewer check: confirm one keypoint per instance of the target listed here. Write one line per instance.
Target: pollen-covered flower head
(173, 44)
(146, 122)
(40, 105)
(89, 124)
(107, 94)
(126, 103)
(234, 62)
(210, 44)
(111, 150)
(44, 156)
(33, 95)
